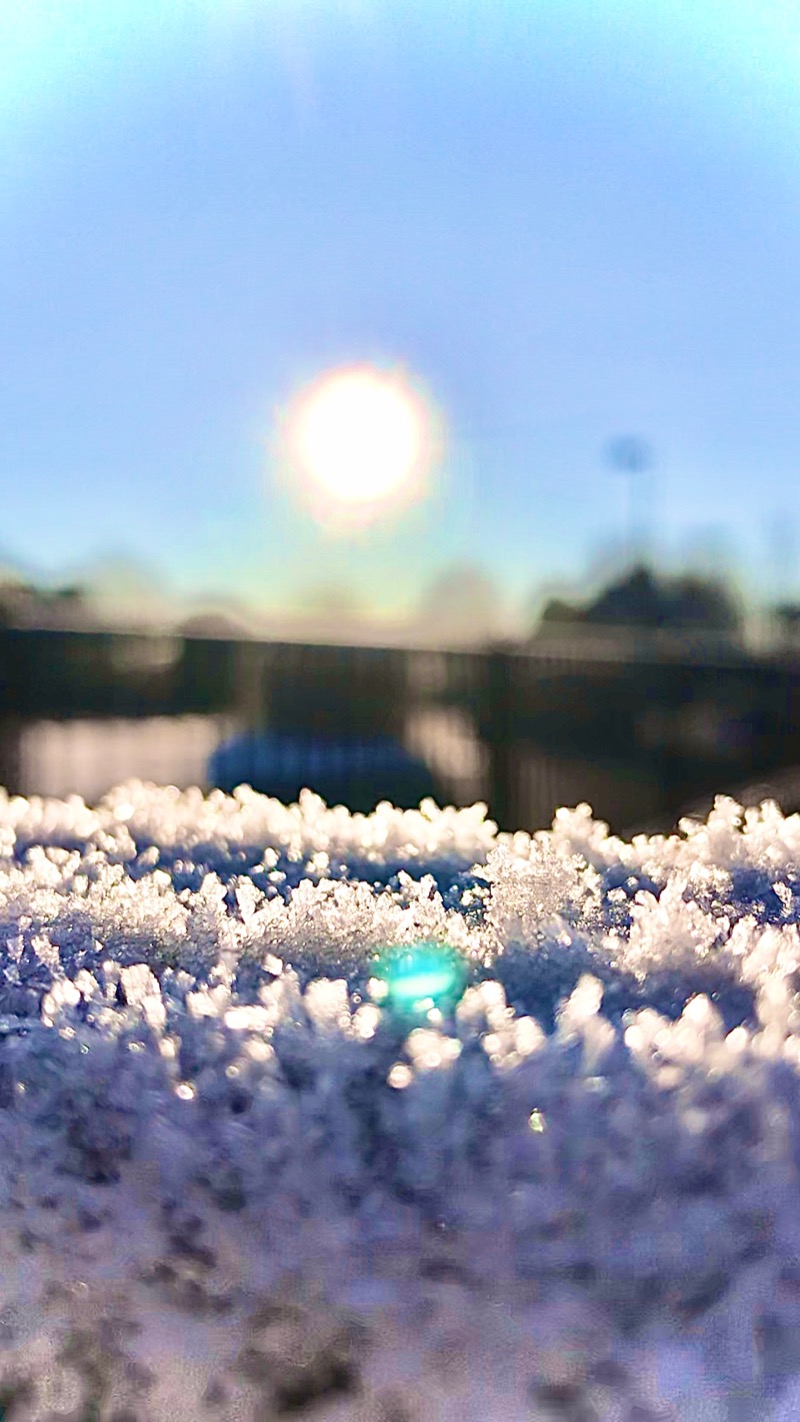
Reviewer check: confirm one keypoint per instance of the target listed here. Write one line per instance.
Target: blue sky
(567, 219)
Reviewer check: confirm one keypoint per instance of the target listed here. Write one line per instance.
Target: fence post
(12, 680)
(498, 737)
(11, 754)
(254, 668)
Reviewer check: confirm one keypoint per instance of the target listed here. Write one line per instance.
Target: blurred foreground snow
(245, 1170)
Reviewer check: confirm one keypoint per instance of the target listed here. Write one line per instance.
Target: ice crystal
(580, 1055)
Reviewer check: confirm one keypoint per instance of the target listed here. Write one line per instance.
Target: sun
(360, 441)
(359, 435)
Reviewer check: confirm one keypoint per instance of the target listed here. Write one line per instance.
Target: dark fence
(642, 731)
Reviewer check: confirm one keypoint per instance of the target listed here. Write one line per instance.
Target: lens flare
(414, 980)
(358, 444)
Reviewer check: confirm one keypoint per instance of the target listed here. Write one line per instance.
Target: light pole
(631, 456)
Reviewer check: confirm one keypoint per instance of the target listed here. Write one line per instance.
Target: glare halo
(359, 442)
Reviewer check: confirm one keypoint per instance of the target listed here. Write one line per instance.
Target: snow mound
(266, 1068)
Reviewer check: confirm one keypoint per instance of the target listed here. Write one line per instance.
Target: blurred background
(402, 399)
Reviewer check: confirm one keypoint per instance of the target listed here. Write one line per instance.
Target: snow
(394, 1116)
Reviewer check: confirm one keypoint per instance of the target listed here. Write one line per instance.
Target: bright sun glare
(360, 440)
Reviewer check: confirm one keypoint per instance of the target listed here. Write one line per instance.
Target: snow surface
(245, 1172)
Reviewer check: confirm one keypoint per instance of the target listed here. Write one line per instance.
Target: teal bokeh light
(414, 980)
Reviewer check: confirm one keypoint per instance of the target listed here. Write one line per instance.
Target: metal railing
(639, 731)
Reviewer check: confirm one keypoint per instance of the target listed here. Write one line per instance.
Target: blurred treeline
(462, 600)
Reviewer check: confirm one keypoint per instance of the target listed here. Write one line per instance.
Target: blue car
(356, 772)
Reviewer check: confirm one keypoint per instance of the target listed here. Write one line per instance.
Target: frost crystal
(570, 1062)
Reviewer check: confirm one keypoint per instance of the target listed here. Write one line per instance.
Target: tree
(641, 599)
(461, 605)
